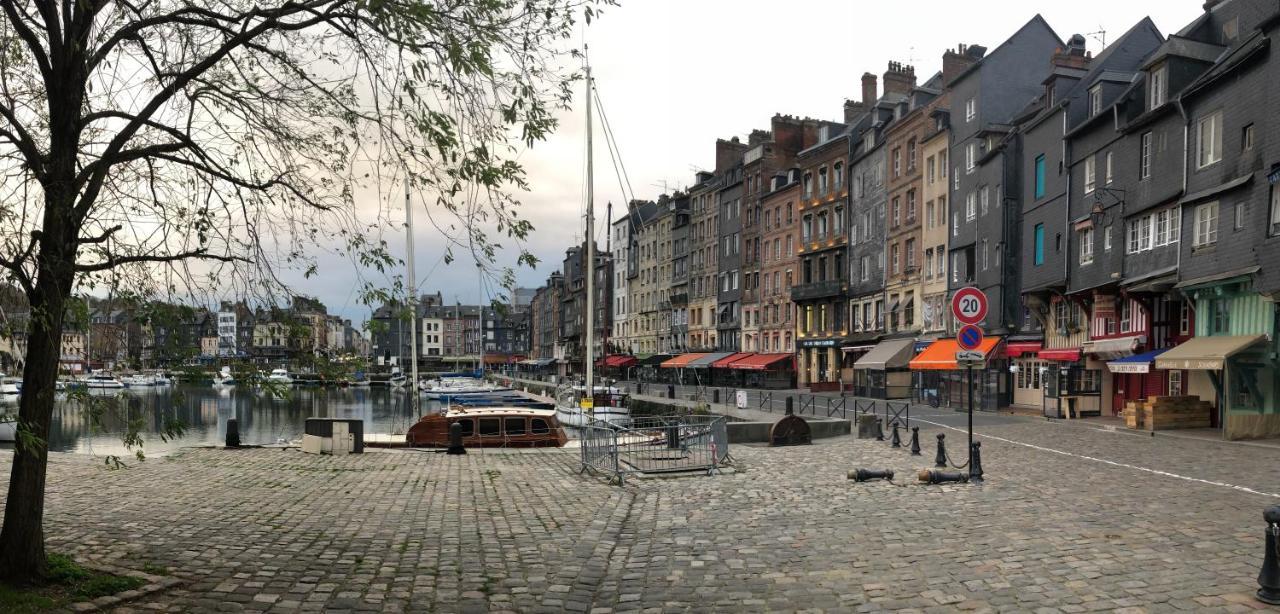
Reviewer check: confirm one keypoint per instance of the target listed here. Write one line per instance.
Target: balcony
(821, 289)
(679, 300)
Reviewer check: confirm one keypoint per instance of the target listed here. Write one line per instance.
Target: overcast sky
(675, 75)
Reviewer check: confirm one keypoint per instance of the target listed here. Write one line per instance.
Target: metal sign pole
(970, 386)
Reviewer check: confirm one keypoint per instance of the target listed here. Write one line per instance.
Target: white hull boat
(280, 376)
(103, 382)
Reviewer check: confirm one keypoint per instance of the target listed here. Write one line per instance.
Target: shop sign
(819, 343)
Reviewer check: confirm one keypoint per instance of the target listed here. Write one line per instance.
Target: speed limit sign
(969, 305)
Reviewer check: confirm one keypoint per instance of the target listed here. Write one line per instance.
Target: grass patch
(67, 583)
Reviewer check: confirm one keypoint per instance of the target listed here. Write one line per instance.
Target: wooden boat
(491, 427)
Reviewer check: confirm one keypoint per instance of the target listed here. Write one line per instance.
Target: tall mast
(413, 297)
(591, 254)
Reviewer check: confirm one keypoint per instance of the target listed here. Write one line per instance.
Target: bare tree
(161, 145)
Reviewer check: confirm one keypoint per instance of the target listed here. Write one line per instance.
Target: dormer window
(1095, 100)
(1156, 87)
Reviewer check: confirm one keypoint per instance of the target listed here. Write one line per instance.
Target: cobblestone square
(1070, 519)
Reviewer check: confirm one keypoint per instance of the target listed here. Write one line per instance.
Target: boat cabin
(509, 427)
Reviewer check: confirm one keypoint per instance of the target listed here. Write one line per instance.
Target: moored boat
(608, 404)
(491, 427)
(10, 387)
(280, 376)
(102, 381)
(224, 378)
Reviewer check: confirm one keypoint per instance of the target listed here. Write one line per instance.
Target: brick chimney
(1074, 56)
(899, 78)
(729, 153)
(852, 110)
(757, 137)
(788, 132)
(956, 61)
(869, 95)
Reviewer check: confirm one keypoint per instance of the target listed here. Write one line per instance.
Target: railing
(655, 445)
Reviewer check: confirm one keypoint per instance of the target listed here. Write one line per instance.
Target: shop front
(938, 380)
(820, 363)
(1026, 368)
(675, 369)
(883, 372)
(1117, 388)
(776, 371)
(1071, 388)
(1245, 379)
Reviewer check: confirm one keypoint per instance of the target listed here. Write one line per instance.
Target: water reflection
(204, 411)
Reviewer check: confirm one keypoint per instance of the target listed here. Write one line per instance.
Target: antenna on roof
(1100, 36)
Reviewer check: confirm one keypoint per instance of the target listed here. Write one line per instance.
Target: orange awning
(724, 363)
(682, 360)
(941, 354)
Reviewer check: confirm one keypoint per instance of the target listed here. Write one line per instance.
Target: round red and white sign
(969, 305)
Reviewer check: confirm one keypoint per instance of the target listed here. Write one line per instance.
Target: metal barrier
(899, 409)
(863, 407)
(803, 405)
(837, 404)
(655, 445)
(765, 401)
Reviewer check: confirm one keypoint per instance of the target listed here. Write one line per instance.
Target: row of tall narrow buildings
(1120, 211)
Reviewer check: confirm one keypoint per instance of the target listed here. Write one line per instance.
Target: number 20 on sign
(969, 305)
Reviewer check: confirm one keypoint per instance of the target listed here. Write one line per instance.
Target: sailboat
(589, 403)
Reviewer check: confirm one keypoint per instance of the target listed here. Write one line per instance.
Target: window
(911, 154)
(808, 185)
(1109, 171)
(928, 215)
(910, 250)
(1095, 99)
(514, 426)
(928, 263)
(955, 224)
(930, 170)
(986, 256)
(897, 161)
(1086, 246)
(1246, 138)
(1090, 174)
(986, 200)
(865, 267)
(970, 207)
(1220, 316)
(838, 171)
(490, 427)
(970, 109)
(1062, 315)
(896, 211)
(1144, 234)
(1206, 224)
(1155, 88)
(1275, 210)
(1126, 314)
(1039, 244)
(1175, 383)
(970, 156)
(955, 183)
(1209, 140)
(1184, 318)
(1106, 238)
(911, 206)
(1144, 161)
(955, 267)
(1239, 213)
(1040, 176)
(942, 261)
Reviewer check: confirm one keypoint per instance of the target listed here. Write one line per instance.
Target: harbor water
(203, 411)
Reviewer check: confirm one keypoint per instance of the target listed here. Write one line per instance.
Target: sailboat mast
(591, 254)
(413, 298)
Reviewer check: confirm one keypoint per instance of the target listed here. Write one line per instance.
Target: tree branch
(115, 261)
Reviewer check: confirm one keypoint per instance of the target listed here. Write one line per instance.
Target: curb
(155, 584)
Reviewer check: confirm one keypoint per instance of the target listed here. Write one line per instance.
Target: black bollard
(1269, 577)
(975, 462)
(879, 430)
(934, 476)
(673, 437)
(940, 461)
(637, 387)
(233, 433)
(897, 439)
(671, 391)
(455, 439)
(715, 396)
(915, 441)
(791, 405)
(864, 475)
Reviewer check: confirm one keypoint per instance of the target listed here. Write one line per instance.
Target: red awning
(1014, 349)
(762, 362)
(1062, 354)
(724, 363)
(619, 361)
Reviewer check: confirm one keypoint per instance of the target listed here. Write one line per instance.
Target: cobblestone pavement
(1070, 519)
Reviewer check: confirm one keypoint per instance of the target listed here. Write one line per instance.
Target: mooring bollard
(940, 460)
(975, 462)
(673, 437)
(791, 405)
(934, 476)
(715, 396)
(671, 391)
(897, 439)
(1269, 577)
(879, 430)
(455, 439)
(915, 441)
(863, 475)
(233, 433)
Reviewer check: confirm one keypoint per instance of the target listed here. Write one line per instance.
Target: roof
(705, 361)
(725, 362)
(760, 362)
(1034, 21)
(682, 360)
(1179, 46)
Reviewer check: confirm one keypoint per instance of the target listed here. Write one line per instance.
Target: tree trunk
(22, 555)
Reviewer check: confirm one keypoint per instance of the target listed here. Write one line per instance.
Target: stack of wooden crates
(1166, 413)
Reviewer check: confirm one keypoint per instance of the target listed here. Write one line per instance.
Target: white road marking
(1188, 478)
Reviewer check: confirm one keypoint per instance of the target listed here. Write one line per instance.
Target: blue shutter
(1039, 244)
(1040, 176)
